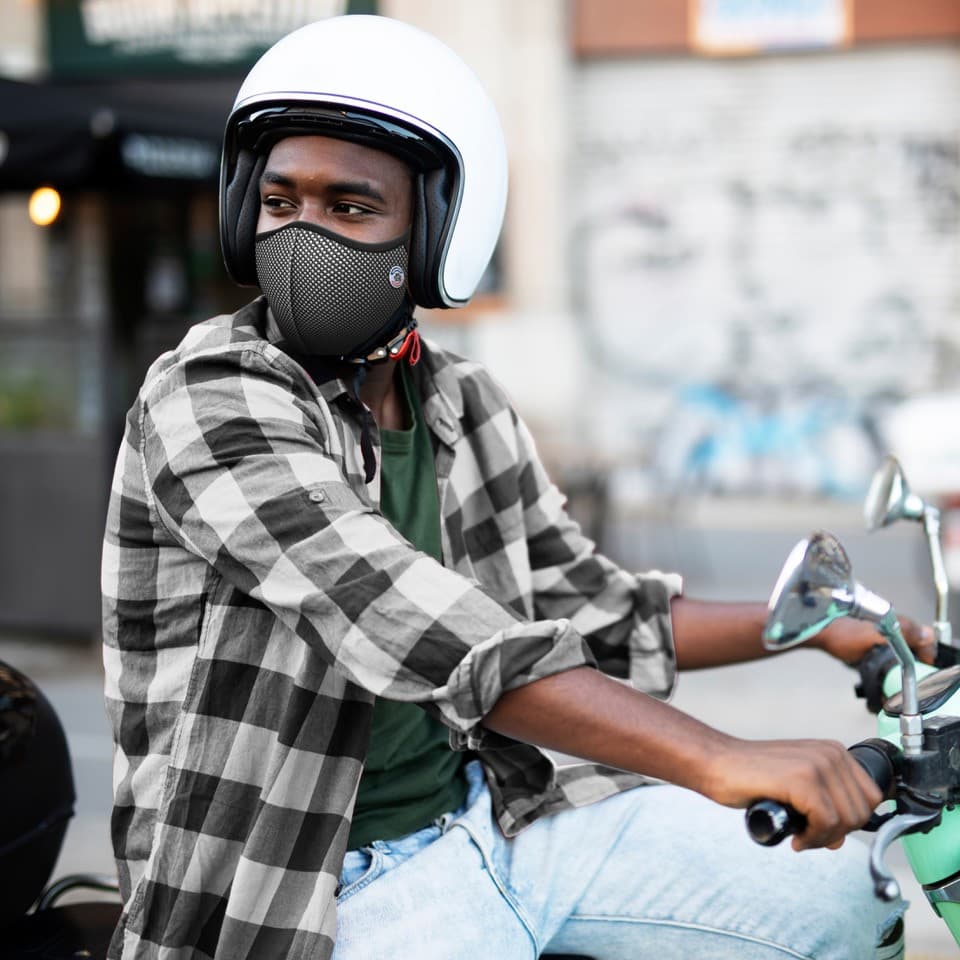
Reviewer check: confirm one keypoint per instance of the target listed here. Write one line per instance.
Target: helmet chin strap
(409, 348)
(406, 343)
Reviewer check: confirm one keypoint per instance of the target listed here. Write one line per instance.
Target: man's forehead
(312, 152)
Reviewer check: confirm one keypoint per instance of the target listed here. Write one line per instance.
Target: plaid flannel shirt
(255, 602)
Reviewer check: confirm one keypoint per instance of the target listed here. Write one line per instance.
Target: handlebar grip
(873, 667)
(881, 760)
(769, 822)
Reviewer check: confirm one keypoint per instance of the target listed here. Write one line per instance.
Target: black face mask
(331, 296)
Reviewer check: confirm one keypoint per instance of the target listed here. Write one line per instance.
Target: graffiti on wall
(774, 287)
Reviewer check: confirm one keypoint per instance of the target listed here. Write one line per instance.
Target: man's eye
(273, 201)
(351, 209)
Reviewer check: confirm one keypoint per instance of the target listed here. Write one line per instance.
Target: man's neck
(382, 392)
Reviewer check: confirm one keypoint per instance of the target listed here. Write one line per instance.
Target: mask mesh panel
(328, 296)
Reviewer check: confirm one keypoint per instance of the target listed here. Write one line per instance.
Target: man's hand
(850, 640)
(818, 778)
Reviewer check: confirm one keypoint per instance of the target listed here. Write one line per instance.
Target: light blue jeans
(658, 872)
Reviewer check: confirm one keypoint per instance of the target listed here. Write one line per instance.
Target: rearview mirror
(890, 498)
(815, 587)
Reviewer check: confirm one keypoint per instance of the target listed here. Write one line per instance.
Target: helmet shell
(36, 783)
(376, 66)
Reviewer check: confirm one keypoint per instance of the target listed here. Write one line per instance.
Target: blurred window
(51, 310)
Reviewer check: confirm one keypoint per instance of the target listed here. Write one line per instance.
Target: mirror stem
(911, 723)
(931, 527)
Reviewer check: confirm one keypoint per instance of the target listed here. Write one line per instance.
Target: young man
(327, 563)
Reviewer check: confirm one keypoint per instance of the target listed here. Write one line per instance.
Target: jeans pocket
(356, 874)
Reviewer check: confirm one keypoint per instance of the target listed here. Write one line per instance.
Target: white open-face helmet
(387, 85)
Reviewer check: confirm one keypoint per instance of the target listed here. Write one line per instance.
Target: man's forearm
(586, 714)
(708, 634)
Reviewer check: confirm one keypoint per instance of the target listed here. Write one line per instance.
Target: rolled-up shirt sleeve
(624, 616)
(241, 473)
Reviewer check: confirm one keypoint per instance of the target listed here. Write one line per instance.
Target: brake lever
(884, 885)
(877, 820)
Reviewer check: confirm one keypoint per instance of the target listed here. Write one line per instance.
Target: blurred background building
(729, 269)
(728, 282)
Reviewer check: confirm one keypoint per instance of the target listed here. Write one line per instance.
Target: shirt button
(318, 496)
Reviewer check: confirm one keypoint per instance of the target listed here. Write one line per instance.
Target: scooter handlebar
(769, 821)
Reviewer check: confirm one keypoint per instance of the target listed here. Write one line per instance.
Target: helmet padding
(431, 221)
(243, 202)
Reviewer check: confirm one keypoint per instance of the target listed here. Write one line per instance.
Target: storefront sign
(131, 37)
(751, 26)
(173, 157)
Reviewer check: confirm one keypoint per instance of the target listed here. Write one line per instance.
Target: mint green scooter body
(932, 856)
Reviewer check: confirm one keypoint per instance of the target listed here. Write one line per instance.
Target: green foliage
(29, 402)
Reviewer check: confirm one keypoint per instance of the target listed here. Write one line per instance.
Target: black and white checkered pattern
(255, 602)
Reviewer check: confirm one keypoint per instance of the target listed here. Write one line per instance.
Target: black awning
(104, 135)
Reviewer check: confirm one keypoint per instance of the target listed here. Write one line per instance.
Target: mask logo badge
(397, 276)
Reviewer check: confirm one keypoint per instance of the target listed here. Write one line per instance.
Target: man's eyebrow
(278, 179)
(360, 188)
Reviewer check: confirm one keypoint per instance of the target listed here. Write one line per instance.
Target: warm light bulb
(44, 206)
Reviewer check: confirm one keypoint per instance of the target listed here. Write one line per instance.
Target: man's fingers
(823, 801)
(843, 797)
(920, 639)
(818, 778)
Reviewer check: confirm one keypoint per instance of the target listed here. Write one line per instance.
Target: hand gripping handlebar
(769, 821)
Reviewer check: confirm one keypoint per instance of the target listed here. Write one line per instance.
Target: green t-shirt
(411, 776)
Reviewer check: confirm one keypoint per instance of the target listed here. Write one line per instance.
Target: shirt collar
(440, 393)
(435, 377)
